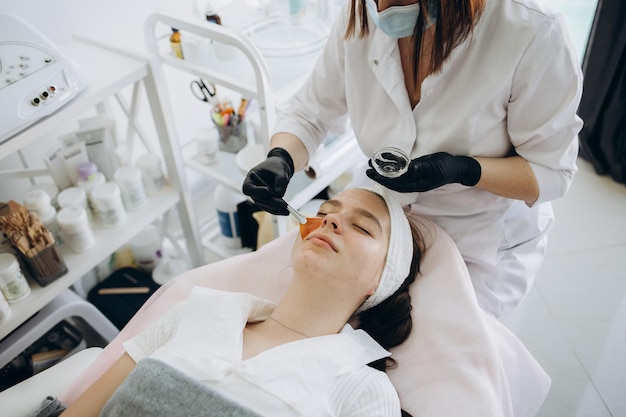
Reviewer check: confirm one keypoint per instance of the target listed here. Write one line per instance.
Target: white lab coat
(512, 87)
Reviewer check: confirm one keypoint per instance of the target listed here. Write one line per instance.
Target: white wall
(118, 22)
(115, 22)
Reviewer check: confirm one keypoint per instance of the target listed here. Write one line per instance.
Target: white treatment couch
(458, 360)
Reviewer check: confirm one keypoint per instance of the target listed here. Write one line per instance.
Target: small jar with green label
(13, 285)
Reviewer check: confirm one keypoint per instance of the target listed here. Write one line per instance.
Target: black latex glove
(431, 171)
(267, 182)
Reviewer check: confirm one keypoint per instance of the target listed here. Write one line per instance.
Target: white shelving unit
(251, 78)
(108, 72)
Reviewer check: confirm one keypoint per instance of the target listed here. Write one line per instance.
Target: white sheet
(457, 361)
(23, 399)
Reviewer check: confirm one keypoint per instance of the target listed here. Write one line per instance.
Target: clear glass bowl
(390, 162)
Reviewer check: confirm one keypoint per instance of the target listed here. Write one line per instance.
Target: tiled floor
(574, 319)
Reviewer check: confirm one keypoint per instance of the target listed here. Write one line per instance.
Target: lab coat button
(375, 62)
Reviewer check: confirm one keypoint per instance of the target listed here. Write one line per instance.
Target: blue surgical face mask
(396, 21)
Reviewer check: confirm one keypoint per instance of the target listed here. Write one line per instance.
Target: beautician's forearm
(294, 146)
(90, 403)
(508, 177)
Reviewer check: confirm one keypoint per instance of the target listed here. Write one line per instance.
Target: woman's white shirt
(321, 376)
(512, 87)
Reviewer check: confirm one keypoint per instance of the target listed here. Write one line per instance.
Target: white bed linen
(457, 361)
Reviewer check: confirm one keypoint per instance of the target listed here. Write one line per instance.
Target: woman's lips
(321, 240)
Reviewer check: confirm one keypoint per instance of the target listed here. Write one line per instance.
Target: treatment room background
(574, 319)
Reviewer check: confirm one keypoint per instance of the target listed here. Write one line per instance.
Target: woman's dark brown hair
(455, 22)
(390, 323)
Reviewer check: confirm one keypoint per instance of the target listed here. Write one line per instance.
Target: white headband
(399, 252)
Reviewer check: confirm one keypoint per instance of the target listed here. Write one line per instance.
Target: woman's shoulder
(370, 378)
(519, 13)
(365, 391)
(516, 24)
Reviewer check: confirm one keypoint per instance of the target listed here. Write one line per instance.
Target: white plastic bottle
(207, 141)
(5, 309)
(168, 268)
(146, 247)
(74, 224)
(107, 200)
(90, 178)
(75, 197)
(226, 201)
(129, 180)
(151, 173)
(38, 202)
(50, 188)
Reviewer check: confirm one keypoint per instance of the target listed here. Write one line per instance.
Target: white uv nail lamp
(35, 78)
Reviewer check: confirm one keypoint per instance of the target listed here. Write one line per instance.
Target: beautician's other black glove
(267, 182)
(431, 171)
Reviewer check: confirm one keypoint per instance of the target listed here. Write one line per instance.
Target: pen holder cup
(46, 266)
(232, 138)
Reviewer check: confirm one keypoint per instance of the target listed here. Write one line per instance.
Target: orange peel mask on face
(311, 224)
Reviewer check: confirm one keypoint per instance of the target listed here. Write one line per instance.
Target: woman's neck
(304, 311)
(289, 322)
(310, 314)
(316, 308)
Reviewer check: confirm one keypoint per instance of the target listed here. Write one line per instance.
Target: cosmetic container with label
(5, 309)
(152, 174)
(75, 197)
(13, 285)
(75, 226)
(107, 200)
(129, 180)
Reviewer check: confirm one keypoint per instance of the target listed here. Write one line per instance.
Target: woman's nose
(333, 221)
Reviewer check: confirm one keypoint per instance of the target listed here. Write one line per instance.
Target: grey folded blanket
(154, 388)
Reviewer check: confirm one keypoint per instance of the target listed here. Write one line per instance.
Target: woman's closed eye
(362, 229)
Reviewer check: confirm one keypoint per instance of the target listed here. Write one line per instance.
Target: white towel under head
(399, 251)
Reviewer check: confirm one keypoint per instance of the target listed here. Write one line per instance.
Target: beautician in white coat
(482, 94)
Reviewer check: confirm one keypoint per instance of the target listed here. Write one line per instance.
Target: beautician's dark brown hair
(455, 22)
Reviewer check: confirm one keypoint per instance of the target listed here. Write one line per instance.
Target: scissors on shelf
(204, 91)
